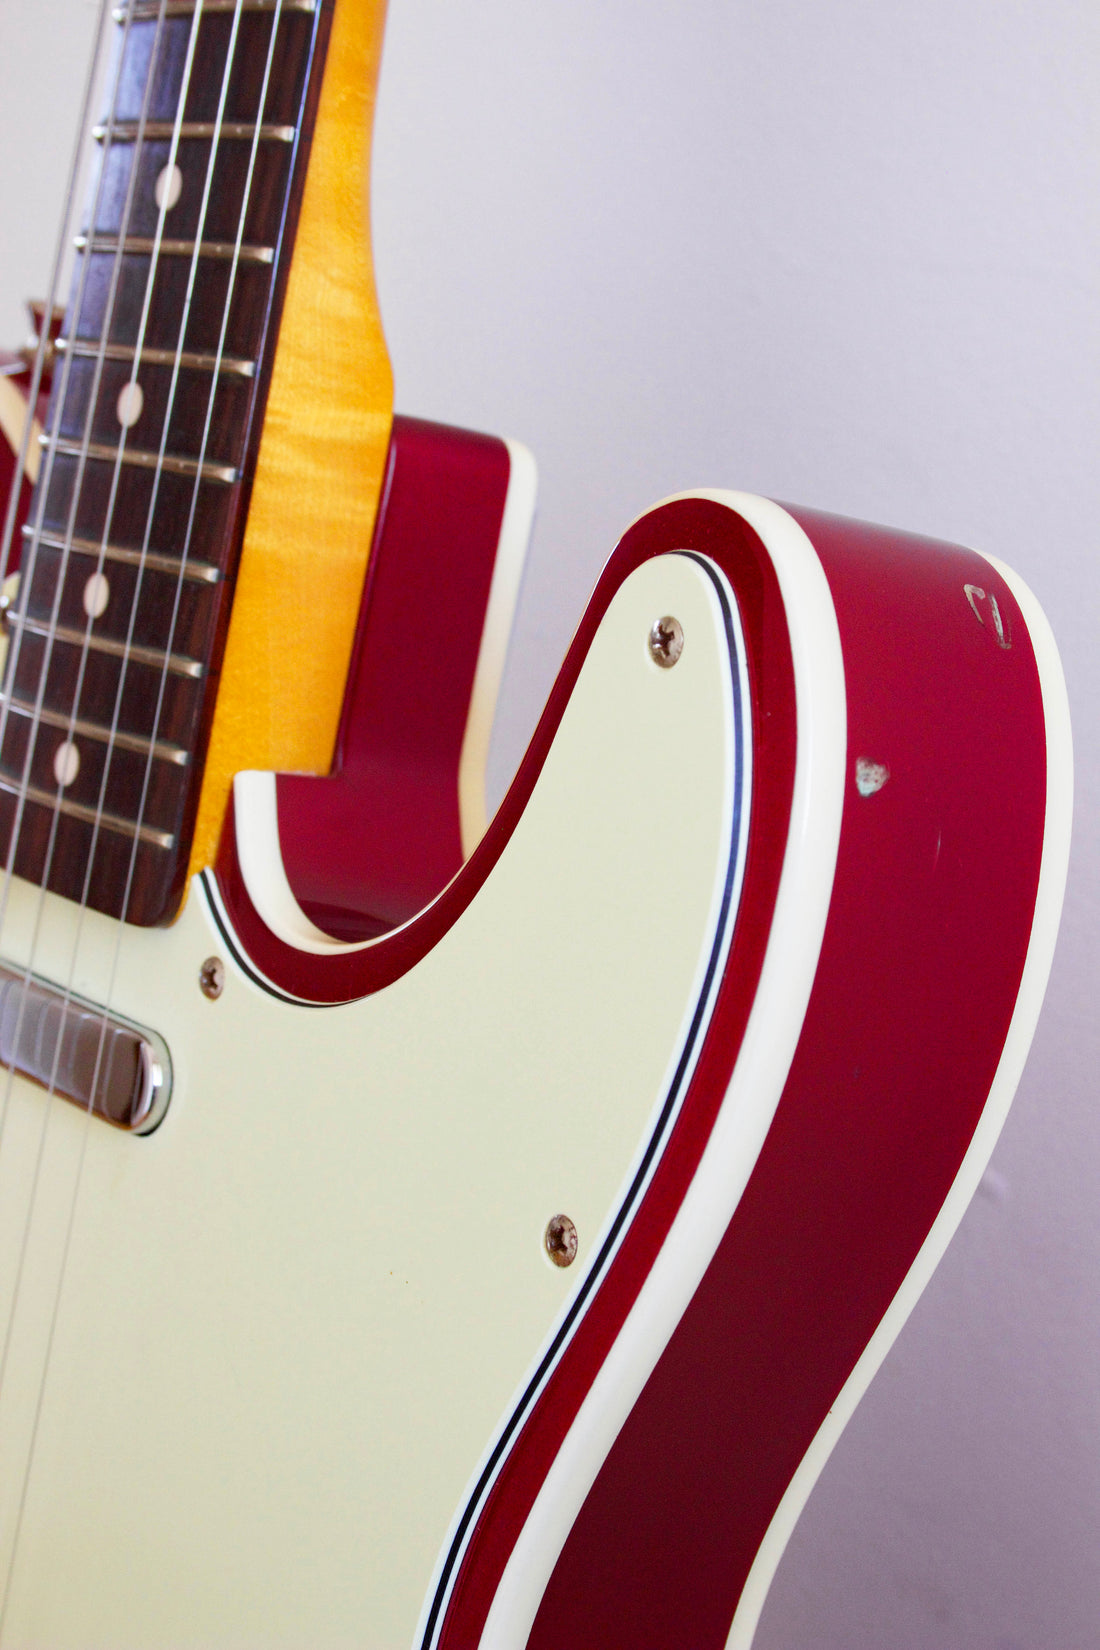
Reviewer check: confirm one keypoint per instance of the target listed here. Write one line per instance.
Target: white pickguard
(292, 1318)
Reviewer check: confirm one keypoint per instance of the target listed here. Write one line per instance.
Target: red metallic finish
(694, 524)
(712, 530)
(14, 368)
(924, 945)
(18, 367)
(925, 942)
(371, 844)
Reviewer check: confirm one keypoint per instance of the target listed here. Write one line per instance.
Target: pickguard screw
(212, 977)
(666, 641)
(560, 1240)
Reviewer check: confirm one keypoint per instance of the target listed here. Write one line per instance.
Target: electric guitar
(420, 1230)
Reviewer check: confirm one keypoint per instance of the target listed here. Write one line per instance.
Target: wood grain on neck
(321, 459)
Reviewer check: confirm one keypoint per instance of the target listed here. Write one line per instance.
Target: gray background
(845, 254)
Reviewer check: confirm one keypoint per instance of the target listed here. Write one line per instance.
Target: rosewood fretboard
(136, 524)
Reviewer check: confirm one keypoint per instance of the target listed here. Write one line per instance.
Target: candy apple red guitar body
(426, 1230)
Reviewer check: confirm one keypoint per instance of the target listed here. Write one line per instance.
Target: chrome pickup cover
(76, 1049)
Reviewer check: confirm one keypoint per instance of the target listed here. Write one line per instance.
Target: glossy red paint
(371, 844)
(344, 976)
(925, 941)
(710, 530)
(17, 366)
(927, 933)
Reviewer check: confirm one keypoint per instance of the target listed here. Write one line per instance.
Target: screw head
(212, 978)
(560, 1240)
(666, 641)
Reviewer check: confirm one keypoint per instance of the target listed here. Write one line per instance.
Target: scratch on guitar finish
(974, 595)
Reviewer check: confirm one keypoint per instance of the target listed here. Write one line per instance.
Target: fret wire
(143, 11)
(127, 131)
(199, 361)
(196, 254)
(99, 816)
(142, 460)
(200, 572)
(41, 356)
(197, 469)
(160, 462)
(146, 245)
(88, 816)
(240, 253)
(158, 657)
(41, 494)
(163, 749)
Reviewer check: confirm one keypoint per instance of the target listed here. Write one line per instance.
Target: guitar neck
(183, 404)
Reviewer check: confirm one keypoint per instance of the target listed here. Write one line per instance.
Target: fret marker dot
(97, 593)
(66, 762)
(129, 404)
(168, 188)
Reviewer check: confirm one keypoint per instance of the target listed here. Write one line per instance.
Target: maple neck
(163, 365)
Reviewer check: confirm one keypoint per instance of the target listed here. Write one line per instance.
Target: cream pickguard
(293, 1317)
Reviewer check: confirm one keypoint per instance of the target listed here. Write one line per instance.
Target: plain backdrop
(846, 254)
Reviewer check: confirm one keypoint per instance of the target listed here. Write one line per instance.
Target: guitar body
(732, 996)
(525, 1204)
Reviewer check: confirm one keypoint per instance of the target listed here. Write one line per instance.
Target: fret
(225, 194)
(131, 507)
(150, 10)
(242, 289)
(132, 604)
(147, 245)
(226, 473)
(191, 416)
(132, 131)
(177, 288)
(88, 816)
(149, 703)
(162, 749)
(92, 772)
(233, 366)
(177, 663)
(199, 572)
(154, 55)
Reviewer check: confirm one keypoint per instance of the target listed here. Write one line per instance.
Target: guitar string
(59, 397)
(89, 417)
(65, 1247)
(61, 246)
(28, 573)
(29, 564)
(277, 10)
(67, 991)
(218, 355)
(45, 469)
(162, 443)
(45, 475)
(26, 578)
